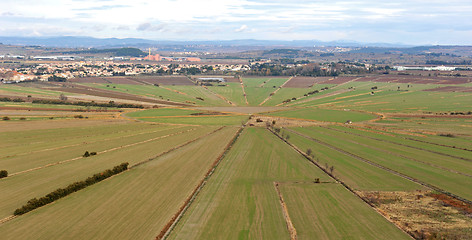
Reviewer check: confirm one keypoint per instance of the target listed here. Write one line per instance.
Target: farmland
(241, 202)
(348, 157)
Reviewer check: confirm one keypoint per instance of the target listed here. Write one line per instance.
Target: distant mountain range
(235, 46)
(90, 42)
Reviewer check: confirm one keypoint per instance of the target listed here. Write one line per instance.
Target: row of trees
(89, 104)
(6, 99)
(74, 187)
(63, 99)
(306, 95)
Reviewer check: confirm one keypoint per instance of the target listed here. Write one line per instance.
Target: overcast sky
(401, 21)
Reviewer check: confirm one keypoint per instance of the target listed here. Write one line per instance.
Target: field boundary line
(400, 155)
(413, 139)
(288, 220)
(404, 145)
(338, 180)
(166, 231)
(220, 96)
(4, 220)
(173, 90)
(430, 186)
(274, 92)
(264, 83)
(104, 151)
(177, 147)
(244, 91)
(337, 92)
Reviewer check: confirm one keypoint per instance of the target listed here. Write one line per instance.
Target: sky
(413, 22)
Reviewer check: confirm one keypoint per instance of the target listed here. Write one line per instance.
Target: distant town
(35, 63)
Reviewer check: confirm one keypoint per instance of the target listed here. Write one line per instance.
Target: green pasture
(418, 154)
(329, 211)
(201, 120)
(149, 91)
(18, 89)
(256, 95)
(287, 93)
(402, 139)
(444, 179)
(61, 152)
(357, 174)
(325, 115)
(160, 112)
(240, 200)
(17, 190)
(455, 126)
(58, 106)
(388, 99)
(232, 92)
(209, 99)
(133, 205)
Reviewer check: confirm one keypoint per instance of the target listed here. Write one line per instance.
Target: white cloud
(241, 29)
(218, 19)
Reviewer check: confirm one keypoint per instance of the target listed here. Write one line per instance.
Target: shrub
(309, 152)
(446, 135)
(86, 154)
(3, 173)
(5, 118)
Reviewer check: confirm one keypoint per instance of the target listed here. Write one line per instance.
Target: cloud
(241, 29)
(7, 14)
(259, 19)
(150, 27)
(103, 7)
(123, 28)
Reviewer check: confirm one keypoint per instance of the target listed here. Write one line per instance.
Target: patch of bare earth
(423, 214)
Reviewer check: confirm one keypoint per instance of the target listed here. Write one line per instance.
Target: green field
(257, 91)
(130, 205)
(213, 170)
(357, 174)
(329, 211)
(46, 179)
(387, 99)
(325, 115)
(232, 92)
(24, 91)
(240, 201)
(423, 167)
(163, 112)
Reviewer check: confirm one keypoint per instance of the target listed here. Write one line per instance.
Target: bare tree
(309, 152)
(62, 97)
